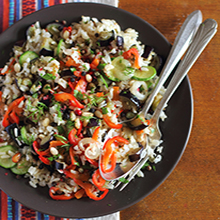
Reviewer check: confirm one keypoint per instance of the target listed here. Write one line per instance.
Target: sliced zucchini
(7, 162)
(120, 70)
(21, 167)
(24, 135)
(27, 55)
(145, 74)
(55, 28)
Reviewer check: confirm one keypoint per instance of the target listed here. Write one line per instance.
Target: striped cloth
(13, 10)
(10, 12)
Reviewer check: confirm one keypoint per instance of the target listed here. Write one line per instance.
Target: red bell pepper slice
(72, 137)
(44, 160)
(40, 152)
(109, 156)
(128, 55)
(96, 134)
(52, 193)
(12, 107)
(63, 97)
(110, 123)
(98, 180)
(72, 158)
(14, 117)
(88, 187)
(93, 162)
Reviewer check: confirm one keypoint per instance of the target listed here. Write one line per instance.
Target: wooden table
(192, 191)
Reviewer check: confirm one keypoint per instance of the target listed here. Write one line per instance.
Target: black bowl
(176, 128)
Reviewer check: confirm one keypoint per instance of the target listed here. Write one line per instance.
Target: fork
(180, 45)
(205, 33)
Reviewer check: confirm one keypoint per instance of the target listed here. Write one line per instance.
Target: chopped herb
(101, 66)
(72, 69)
(154, 168)
(79, 95)
(48, 76)
(86, 117)
(141, 89)
(123, 180)
(60, 129)
(104, 110)
(128, 71)
(60, 137)
(54, 157)
(104, 81)
(91, 52)
(145, 165)
(35, 95)
(98, 44)
(77, 164)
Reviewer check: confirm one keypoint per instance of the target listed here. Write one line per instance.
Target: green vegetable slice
(4, 151)
(59, 47)
(121, 70)
(21, 167)
(27, 55)
(146, 74)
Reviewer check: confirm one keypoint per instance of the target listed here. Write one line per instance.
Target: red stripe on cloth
(51, 2)
(4, 206)
(5, 14)
(28, 7)
(52, 218)
(27, 214)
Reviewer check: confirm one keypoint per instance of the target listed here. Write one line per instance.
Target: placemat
(10, 12)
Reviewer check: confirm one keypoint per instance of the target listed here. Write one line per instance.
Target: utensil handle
(179, 47)
(205, 33)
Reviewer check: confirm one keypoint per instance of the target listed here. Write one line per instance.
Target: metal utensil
(203, 36)
(181, 44)
(179, 47)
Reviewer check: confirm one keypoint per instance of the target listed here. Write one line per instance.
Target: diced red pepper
(128, 55)
(16, 158)
(95, 62)
(80, 193)
(81, 85)
(53, 195)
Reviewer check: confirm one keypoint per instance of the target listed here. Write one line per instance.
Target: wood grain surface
(192, 191)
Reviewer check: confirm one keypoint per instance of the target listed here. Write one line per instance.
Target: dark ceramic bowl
(176, 128)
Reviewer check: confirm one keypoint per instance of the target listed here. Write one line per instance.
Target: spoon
(181, 43)
(203, 36)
